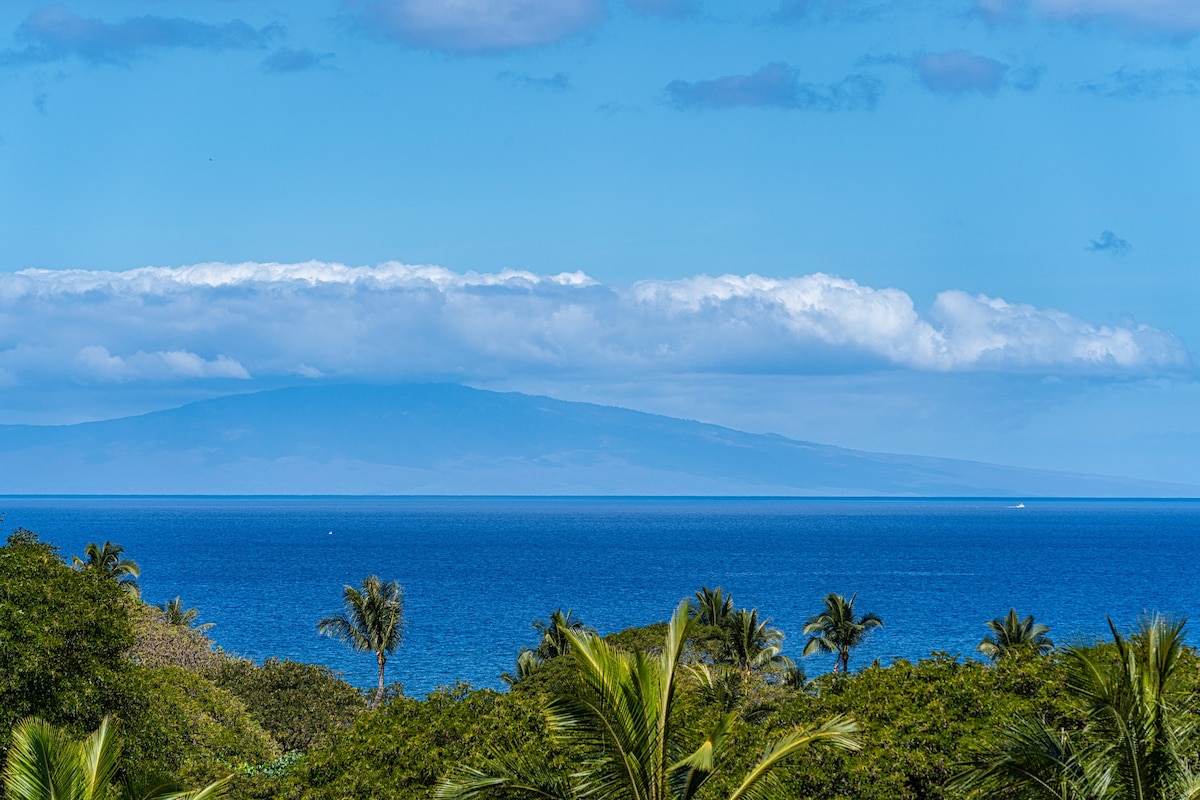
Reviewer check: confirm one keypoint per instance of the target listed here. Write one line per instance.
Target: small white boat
(1018, 505)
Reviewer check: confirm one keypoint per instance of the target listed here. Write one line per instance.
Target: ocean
(478, 571)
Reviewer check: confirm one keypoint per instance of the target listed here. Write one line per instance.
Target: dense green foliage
(299, 705)
(63, 635)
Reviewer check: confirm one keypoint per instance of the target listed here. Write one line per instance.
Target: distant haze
(449, 439)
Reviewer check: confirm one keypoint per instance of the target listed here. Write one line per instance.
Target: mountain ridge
(454, 440)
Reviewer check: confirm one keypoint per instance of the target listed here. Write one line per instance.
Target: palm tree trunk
(379, 692)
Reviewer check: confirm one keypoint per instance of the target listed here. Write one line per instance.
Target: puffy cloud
(474, 26)
(398, 321)
(54, 33)
(959, 72)
(776, 86)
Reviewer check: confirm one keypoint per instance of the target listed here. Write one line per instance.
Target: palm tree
(372, 621)
(45, 764)
(106, 559)
(712, 606)
(554, 641)
(620, 718)
(527, 662)
(1140, 736)
(175, 614)
(1010, 634)
(838, 630)
(751, 643)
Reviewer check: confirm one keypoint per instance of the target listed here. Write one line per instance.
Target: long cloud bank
(242, 321)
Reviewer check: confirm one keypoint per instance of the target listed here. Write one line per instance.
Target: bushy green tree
(403, 748)
(300, 705)
(63, 634)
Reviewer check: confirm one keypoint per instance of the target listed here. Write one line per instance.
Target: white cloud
(397, 321)
(474, 26)
(96, 362)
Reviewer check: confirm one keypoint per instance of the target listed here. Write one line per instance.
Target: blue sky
(960, 228)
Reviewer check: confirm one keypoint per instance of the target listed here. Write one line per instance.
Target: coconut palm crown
(712, 606)
(108, 560)
(1011, 634)
(554, 640)
(751, 643)
(372, 621)
(175, 614)
(837, 630)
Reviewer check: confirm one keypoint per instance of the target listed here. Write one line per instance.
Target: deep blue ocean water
(478, 571)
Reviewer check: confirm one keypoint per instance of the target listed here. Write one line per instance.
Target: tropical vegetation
(109, 560)
(704, 705)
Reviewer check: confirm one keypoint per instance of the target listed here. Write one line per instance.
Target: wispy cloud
(776, 86)
(558, 82)
(661, 8)
(300, 60)
(395, 321)
(1130, 83)
(55, 33)
(473, 26)
(801, 11)
(1108, 242)
(95, 361)
(1173, 19)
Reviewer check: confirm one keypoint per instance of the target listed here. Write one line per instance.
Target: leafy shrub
(300, 705)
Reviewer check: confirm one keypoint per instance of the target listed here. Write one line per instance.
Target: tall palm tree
(45, 764)
(838, 630)
(554, 641)
(372, 621)
(621, 718)
(1140, 734)
(751, 643)
(175, 614)
(712, 606)
(1011, 634)
(107, 559)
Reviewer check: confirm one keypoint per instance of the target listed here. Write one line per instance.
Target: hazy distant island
(443, 439)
